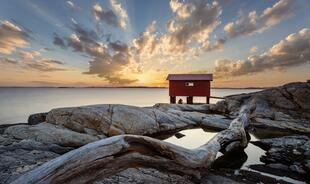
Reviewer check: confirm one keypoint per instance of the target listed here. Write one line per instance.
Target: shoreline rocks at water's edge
(289, 153)
(37, 118)
(274, 110)
(285, 108)
(67, 128)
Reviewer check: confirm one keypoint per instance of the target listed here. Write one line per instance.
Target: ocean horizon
(16, 104)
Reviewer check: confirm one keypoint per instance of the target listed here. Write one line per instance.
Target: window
(189, 84)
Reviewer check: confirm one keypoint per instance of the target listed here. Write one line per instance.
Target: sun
(142, 78)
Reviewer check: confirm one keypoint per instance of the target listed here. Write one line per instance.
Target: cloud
(44, 65)
(146, 41)
(207, 47)
(41, 65)
(73, 20)
(107, 16)
(7, 61)
(86, 36)
(292, 51)
(108, 65)
(279, 11)
(59, 41)
(252, 23)
(120, 81)
(107, 60)
(31, 55)
(12, 37)
(121, 12)
(187, 36)
(31, 60)
(82, 40)
(187, 32)
(71, 4)
(28, 55)
(253, 49)
(46, 83)
(118, 46)
(193, 23)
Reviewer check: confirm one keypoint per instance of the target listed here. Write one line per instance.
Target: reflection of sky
(197, 137)
(193, 138)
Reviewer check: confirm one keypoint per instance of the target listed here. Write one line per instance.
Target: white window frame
(189, 84)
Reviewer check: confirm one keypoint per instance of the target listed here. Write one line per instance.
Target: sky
(79, 43)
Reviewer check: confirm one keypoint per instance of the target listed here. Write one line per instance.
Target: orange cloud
(12, 37)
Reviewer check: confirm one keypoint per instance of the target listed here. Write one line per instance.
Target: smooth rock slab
(284, 108)
(134, 120)
(113, 120)
(49, 133)
(105, 119)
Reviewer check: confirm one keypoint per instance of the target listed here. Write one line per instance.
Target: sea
(16, 104)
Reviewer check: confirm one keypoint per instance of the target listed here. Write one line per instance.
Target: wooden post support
(189, 100)
(208, 100)
(172, 99)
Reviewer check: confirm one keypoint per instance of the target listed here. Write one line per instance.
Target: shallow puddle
(196, 137)
(193, 138)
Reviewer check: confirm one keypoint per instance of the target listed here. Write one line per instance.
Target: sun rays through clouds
(117, 42)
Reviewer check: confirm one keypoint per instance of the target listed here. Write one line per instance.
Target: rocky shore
(287, 154)
(281, 112)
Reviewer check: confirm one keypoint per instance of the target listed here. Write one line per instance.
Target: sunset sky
(138, 42)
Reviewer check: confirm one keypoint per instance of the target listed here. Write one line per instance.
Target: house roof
(208, 77)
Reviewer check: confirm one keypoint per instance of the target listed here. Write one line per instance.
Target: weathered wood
(189, 100)
(110, 156)
(172, 99)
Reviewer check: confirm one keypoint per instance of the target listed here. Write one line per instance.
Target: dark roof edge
(208, 77)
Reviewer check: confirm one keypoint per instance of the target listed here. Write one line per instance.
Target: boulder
(284, 108)
(37, 118)
(292, 151)
(112, 120)
(105, 119)
(49, 133)
(19, 156)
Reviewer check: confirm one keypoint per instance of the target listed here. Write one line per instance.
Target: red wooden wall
(200, 88)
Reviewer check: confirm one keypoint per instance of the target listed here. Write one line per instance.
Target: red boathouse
(189, 85)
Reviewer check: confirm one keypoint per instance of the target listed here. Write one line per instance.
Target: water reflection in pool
(239, 160)
(196, 137)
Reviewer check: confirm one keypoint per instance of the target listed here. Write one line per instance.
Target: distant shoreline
(127, 87)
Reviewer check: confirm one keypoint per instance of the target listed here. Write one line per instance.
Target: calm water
(16, 104)
(196, 137)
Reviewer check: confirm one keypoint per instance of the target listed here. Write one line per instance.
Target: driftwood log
(112, 155)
